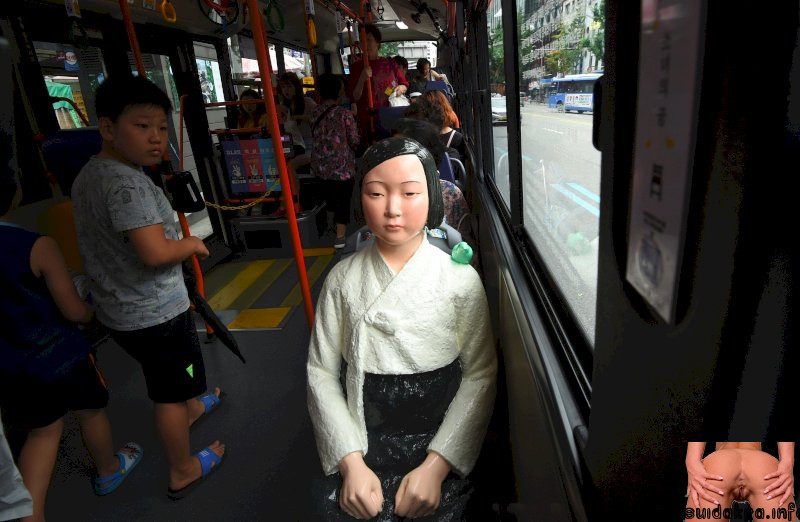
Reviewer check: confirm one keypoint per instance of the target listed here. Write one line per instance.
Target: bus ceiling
(420, 18)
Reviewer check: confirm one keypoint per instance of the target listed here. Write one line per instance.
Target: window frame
(562, 326)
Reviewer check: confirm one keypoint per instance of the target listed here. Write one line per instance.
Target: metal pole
(365, 57)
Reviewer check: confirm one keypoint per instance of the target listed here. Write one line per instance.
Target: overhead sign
(670, 60)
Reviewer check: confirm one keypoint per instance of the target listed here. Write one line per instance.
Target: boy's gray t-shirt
(110, 199)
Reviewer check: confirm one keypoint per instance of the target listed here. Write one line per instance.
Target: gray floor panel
(270, 457)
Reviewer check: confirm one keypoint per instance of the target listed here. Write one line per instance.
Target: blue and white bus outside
(573, 92)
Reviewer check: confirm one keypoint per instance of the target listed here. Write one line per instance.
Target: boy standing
(133, 254)
(46, 368)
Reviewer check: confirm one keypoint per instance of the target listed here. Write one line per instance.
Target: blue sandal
(210, 402)
(209, 461)
(129, 456)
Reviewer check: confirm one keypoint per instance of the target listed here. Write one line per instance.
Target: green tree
(596, 43)
(567, 48)
(496, 56)
(525, 46)
(389, 49)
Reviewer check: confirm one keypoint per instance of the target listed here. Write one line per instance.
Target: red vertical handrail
(341, 7)
(450, 8)
(137, 57)
(137, 54)
(365, 58)
(265, 70)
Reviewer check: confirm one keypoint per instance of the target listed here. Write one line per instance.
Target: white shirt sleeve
(461, 434)
(335, 429)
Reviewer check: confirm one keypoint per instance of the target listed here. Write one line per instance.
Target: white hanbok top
(418, 320)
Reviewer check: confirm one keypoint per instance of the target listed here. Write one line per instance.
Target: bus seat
(387, 120)
(440, 85)
(67, 151)
(459, 173)
(58, 223)
(446, 169)
(443, 237)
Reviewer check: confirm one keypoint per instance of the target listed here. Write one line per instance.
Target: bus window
(73, 74)
(497, 88)
(560, 167)
(208, 71)
(297, 62)
(244, 61)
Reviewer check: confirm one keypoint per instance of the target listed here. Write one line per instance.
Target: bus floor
(270, 459)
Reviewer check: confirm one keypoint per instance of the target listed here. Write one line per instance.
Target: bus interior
(635, 248)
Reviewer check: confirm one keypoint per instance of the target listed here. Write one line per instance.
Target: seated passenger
(739, 471)
(333, 157)
(424, 75)
(402, 433)
(455, 204)
(298, 107)
(252, 115)
(433, 107)
(46, 364)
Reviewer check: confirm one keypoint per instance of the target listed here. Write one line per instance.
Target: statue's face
(395, 200)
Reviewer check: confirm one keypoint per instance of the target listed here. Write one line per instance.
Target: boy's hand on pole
(200, 248)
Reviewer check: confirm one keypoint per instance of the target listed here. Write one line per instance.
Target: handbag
(398, 100)
(185, 195)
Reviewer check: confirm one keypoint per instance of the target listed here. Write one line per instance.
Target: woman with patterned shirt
(333, 159)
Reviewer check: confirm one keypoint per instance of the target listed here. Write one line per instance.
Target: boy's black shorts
(28, 404)
(170, 357)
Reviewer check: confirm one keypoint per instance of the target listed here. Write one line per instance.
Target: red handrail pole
(137, 54)
(265, 70)
(365, 57)
(343, 8)
(451, 17)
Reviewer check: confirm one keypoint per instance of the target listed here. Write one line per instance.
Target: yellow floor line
(230, 292)
(259, 318)
(219, 276)
(314, 272)
(260, 285)
(314, 252)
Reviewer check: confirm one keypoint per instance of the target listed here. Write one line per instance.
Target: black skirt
(402, 414)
